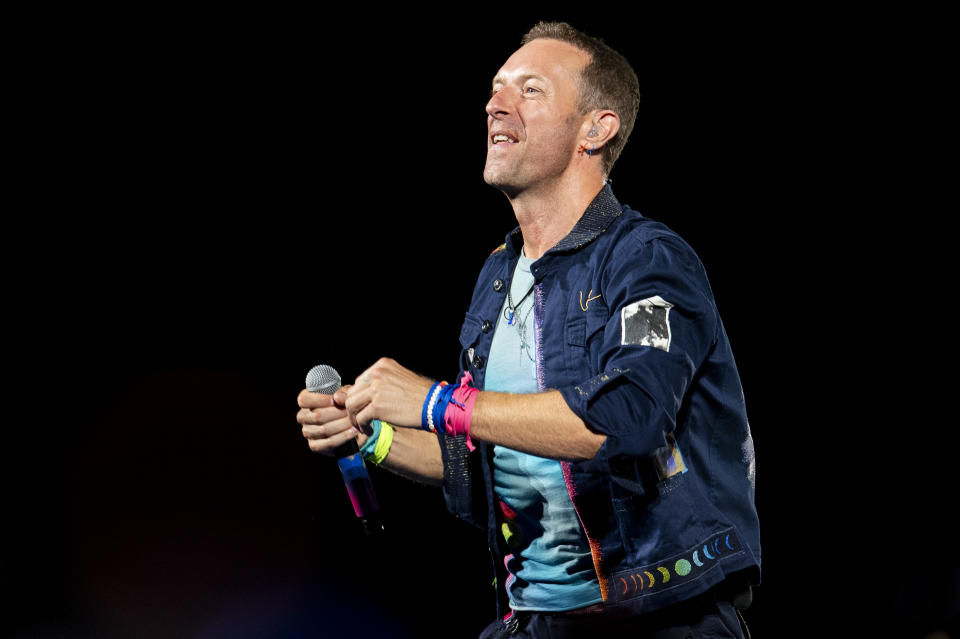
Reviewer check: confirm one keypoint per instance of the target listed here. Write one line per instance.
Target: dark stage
(218, 202)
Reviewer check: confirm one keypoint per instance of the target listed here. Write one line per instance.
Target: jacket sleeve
(463, 471)
(460, 491)
(662, 326)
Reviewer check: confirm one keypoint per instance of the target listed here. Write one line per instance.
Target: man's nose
(499, 103)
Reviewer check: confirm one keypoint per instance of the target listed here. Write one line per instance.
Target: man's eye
(531, 90)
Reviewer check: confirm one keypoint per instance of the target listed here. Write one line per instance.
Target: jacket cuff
(612, 404)
(458, 486)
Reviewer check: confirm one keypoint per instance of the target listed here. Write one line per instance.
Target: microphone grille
(323, 379)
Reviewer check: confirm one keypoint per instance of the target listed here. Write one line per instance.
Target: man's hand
(389, 392)
(326, 424)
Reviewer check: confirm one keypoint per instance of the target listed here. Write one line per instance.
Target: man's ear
(603, 124)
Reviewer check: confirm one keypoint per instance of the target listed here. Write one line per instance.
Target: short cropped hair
(606, 82)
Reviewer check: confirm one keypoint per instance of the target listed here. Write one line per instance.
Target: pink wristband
(460, 410)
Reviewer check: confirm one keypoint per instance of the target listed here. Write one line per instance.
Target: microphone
(325, 379)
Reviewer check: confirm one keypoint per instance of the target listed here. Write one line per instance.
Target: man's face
(533, 126)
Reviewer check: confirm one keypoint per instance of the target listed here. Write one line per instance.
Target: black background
(211, 203)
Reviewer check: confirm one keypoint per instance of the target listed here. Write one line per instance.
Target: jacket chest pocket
(583, 335)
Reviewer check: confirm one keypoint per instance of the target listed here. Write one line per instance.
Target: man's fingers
(323, 438)
(358, 399)
(319, 415)
(364, 417)
(329, 444)
(309, 399)
(328, 430)
(340, 397)
(324, 421)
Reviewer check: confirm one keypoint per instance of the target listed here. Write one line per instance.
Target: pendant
(510, 317)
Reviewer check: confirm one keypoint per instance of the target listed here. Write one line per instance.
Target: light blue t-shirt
(550, 566)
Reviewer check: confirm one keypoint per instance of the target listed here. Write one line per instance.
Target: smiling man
(597, 429)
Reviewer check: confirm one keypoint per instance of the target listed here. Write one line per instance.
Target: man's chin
(510, 190)
(498, 180)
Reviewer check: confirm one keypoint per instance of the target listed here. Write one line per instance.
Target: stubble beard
(515, 174)
(501, 177)
(535, 165)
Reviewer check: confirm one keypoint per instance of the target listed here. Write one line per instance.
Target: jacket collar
(594, 221)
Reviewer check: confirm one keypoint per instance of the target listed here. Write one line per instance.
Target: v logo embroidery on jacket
(583, 307)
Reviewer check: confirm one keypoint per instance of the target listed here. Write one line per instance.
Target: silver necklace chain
(510, 314)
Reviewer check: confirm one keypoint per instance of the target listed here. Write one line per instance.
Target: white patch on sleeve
(750, 459)
(646, 323)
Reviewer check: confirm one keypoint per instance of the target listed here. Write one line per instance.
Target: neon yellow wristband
(384, 442)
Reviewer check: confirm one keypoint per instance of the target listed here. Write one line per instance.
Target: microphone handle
(350, 448)
(359, 487)
(325, 379)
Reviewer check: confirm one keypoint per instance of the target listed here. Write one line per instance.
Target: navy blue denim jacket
(628, 331)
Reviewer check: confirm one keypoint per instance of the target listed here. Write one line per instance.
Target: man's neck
(547, 216)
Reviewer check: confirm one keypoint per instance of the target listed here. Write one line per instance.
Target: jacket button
(477, 361)
(486, 326)
(497, 285)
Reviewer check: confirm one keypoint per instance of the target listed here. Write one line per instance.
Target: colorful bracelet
(368, 446)
(450, 407)
(377, 446)
(438, 414)
(426, 415)
(459, 410)
(384, 442)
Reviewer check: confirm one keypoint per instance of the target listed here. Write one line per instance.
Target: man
(597, 429)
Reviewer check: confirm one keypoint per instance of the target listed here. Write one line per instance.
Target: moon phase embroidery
(677, 570)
